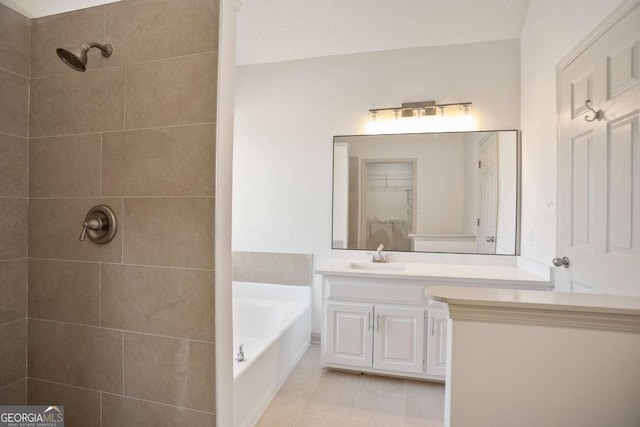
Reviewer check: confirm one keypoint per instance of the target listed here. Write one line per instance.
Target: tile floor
(314, 397)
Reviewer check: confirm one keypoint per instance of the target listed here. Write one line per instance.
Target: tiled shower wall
(14, 103)
(122, 334)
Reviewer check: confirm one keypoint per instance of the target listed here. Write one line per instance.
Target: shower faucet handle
(100, 225)
(94, 224)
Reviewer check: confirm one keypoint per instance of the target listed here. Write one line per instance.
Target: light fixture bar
(429, 107)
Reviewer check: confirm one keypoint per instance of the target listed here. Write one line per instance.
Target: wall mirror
(455, 192)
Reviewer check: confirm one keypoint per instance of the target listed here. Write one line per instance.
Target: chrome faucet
(379, 256)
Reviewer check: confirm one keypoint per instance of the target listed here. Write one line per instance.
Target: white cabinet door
(399, 339)
(349, 334)
(437, 342)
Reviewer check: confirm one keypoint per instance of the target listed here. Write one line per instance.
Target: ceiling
(39, 8)
(281, 30)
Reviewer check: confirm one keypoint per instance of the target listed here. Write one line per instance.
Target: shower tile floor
(313, 397)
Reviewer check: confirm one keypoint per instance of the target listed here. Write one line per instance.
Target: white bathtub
(273, 322)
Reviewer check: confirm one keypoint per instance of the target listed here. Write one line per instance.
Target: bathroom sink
(378, 266)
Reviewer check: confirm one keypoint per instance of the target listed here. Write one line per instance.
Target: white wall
(223, 217)
(287, 114)
(551, 30)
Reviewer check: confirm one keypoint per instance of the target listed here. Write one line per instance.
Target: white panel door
(488, 215)
(349, 334)
(599, 164)
(437, 342)
(399, 339)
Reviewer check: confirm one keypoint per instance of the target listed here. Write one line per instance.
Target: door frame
(362, 244)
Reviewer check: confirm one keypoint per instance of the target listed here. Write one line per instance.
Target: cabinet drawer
(344, 288)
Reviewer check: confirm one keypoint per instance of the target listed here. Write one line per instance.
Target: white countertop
(445, 272)
(525, 299)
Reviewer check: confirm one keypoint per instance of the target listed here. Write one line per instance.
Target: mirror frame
(518, 233)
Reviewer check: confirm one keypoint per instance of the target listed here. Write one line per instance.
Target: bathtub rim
(302, 304)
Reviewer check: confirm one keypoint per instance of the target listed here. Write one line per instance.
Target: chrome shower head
(76, 56)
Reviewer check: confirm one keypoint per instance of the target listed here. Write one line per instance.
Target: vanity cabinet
(384, 322)
(383, 337)
(380, 326)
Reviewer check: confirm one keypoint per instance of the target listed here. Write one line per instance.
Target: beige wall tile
(13, 288)
(122, 411)
(63, 30)
(241, 265)
(279, 268)
(13, 364)
(14, 394)
(168, 370)
(172, 232)
(14, 108)
(15, 40)
(77, 103)
(66, 166)
(163, 301)
(172, 91)
(13, 228)
(84, 356)
(81, 406)
(177, 28)
(65, 291)
(55, 225)
(176, 161)
(14, 161)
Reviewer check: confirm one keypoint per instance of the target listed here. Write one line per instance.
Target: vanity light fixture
(420, 109)
(423, 116)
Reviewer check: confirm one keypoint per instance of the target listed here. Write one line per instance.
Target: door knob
(561, 262)
(99, 225)
(491, 239)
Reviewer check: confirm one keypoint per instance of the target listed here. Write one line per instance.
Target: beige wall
(273, 268)
(14, 101)
(123, 333)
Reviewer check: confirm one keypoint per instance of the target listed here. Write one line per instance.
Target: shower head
(76, 56)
